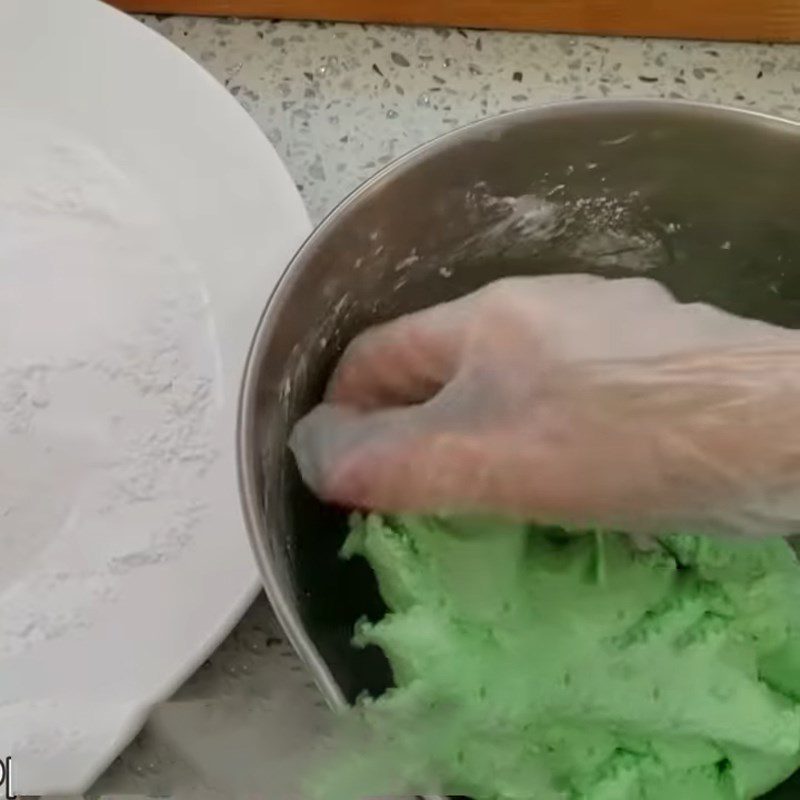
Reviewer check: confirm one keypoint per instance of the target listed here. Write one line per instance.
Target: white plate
(113, 606)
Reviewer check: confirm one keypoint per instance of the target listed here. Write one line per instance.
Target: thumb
(339, 448)
(395, 459)
(320, 440)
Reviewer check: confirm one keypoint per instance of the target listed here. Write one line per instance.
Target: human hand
(570, 399)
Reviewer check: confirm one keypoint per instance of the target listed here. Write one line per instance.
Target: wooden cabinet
(762, 20)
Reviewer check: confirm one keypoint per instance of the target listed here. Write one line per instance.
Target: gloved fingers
(401, 362)
(387, 460)
(408, 360)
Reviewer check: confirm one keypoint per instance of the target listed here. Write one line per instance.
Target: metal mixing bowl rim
(286, 613)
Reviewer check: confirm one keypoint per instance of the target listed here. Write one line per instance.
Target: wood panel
(758, 20)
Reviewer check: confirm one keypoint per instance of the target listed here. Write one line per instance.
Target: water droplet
(424, 99)
(391, 114)
(256, 645)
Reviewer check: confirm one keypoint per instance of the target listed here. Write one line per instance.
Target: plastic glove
(570, 399)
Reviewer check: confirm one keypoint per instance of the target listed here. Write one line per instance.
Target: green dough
(534, 664)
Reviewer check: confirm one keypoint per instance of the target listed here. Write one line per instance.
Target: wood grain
(755, 20)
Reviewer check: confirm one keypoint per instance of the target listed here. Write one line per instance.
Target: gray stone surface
(338, 102)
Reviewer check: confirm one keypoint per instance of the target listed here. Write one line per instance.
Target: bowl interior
(704, 200)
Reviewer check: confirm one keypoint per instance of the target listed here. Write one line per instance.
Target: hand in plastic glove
(571, 399)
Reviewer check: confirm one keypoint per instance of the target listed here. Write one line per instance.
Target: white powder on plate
(108, 382)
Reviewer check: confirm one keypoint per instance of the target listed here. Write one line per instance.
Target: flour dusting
(596, 231)
(108, 383)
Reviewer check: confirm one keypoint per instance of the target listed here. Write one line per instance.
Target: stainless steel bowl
(705, 199)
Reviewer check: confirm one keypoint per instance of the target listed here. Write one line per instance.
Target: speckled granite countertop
(338, 102)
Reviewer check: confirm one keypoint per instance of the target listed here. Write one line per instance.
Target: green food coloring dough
(531, 663)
